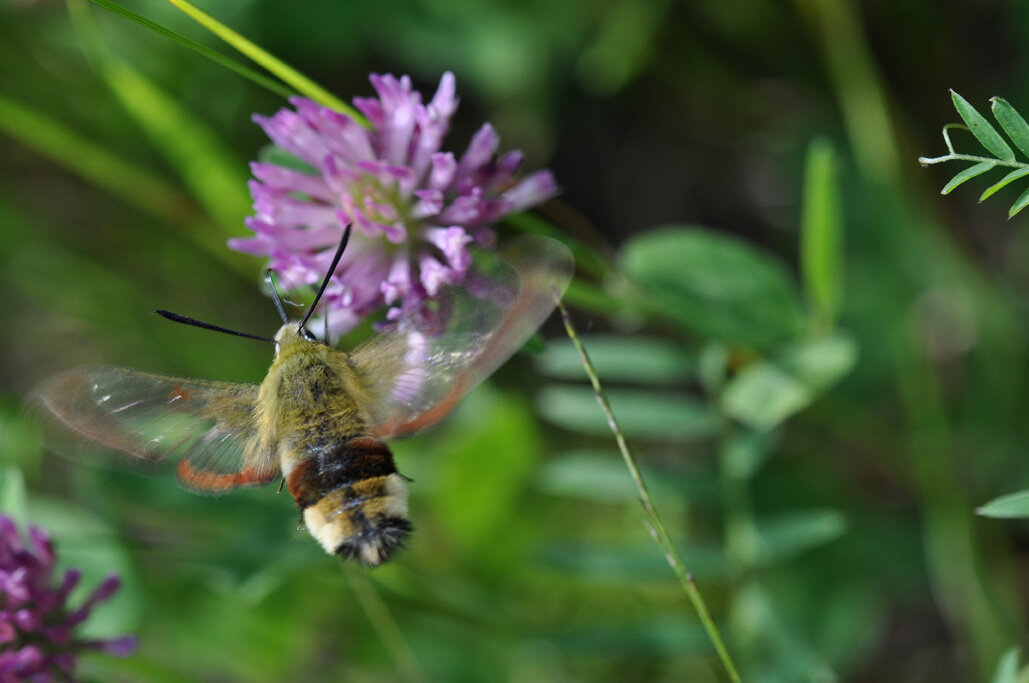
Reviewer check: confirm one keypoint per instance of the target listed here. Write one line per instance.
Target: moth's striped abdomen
(353, 500)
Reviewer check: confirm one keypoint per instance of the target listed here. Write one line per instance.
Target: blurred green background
(822, 383)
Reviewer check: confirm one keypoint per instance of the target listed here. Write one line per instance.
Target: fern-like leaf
(999, 154)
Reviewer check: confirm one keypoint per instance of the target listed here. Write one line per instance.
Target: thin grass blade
(654, 524)
(273, 64)
(216, 57)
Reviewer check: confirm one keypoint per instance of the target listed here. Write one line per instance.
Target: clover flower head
(415, 210)
(37, 626)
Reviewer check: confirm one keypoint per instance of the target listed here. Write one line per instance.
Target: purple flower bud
(34, 610)
(415, 208)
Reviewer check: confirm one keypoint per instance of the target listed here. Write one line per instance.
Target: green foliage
(767, 392)
(1017, 130)
(637, 358)
(713, 285)
(821, 510)
(642, 414)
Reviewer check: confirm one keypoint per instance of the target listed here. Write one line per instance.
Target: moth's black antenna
(269, 277)
(325, 282)
(175, 317)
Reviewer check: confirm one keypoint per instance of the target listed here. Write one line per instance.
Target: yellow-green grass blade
(273, 64)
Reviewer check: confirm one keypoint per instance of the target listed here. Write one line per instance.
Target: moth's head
(292, 332)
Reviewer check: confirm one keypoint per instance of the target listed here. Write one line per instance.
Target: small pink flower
(415, 209)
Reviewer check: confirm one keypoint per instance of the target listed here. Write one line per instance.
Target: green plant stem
(382, 621)
(656, 527)
(283, 71)
(926, 161)
(955, 156)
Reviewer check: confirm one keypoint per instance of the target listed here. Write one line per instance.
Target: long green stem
(656, 527)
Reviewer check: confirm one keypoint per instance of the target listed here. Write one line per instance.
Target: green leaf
(714, 285)
(967, 174)
(1013, 505)
(217, 57)
(821, 248)
(763, 395)
(1007, 667)
(1019, 204)
(283, 71)
(1010, 177)
(640, 414)
(986, 134)
(1012, 123)
(767, 392)
(789, 534)
(600, 476)
(821, 361)
(596, 477)
(646, 360)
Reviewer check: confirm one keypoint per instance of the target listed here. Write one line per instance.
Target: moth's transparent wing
(417, 372)
(210, 427)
